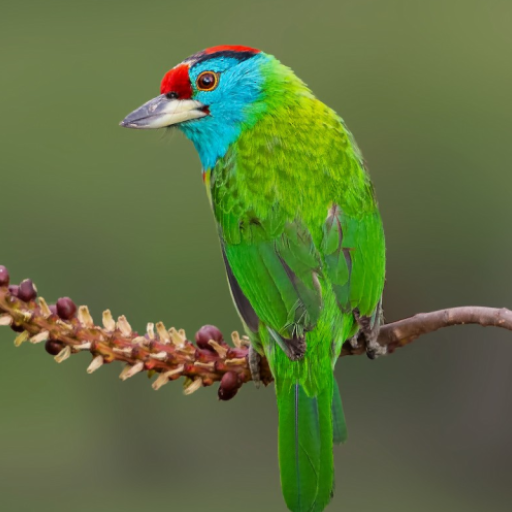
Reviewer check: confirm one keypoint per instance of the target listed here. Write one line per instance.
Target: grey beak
(161, 112)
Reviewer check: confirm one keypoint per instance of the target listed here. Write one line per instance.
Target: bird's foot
(295, 348)
(374, 349)
(369, 334)
(254, 360)
(354, 342)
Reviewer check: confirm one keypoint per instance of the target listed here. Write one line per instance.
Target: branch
(167, 353)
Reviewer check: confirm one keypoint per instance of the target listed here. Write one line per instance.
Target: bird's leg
(354, 341)
(294, 348)
(254, 360)
(369, 327)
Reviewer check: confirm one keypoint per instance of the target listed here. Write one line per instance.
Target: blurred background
(119, 219)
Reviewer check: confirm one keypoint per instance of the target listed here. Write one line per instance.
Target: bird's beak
(161, 112)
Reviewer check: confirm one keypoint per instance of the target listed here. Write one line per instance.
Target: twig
(66, 330)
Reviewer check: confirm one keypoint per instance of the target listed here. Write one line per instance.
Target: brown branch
(168, 353)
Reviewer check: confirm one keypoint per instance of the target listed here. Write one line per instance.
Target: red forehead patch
(228, 48)
(177, 80)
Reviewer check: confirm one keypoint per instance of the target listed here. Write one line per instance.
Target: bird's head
(212, 96)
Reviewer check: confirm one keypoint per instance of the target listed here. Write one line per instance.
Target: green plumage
(300, 232)
(303, 240)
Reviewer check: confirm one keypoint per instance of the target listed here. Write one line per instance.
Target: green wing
(353, 251)
(277, 271)
(274, 265)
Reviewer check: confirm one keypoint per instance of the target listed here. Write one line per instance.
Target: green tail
(339, 425)
(305, 447)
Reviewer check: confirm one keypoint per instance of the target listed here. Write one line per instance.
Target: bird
(300, 233)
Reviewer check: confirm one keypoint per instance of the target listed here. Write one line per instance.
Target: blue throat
(236, 104)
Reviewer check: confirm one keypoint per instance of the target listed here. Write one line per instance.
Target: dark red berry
(53, 347)
(14, 289)
(229, 386)
(66, 308)
(17, 328)
(4, 276)
(207, 333)
(53, 309)
(27, 291)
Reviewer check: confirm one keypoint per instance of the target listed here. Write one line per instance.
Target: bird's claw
(354, 342)
(374, 349)
(369, 334)
(254, 360)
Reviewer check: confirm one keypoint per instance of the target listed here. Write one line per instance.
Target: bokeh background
(117, 218)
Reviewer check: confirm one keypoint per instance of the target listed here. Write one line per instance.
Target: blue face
(233, 104)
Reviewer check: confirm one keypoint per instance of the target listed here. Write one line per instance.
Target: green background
(117, 218)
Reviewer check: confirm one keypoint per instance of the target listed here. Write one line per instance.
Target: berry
(4, 276)
(27, 291)
(207, 333)
(66, 308)
(53, 347)
(17, 328)
(229, 386)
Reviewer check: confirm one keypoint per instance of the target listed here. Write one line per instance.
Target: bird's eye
(207, 81)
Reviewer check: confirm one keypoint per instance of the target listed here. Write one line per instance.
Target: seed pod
(27, 291)
(66, 308)
(53, 347)
(229, 386)
(4, 276)
(17, 328)
(207, 333)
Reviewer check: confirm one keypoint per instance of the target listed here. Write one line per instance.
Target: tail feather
(305, 448)
(339, 425)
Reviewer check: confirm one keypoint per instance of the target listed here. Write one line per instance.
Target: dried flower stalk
(67, 330)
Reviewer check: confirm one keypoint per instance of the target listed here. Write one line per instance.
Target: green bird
(300, 233)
